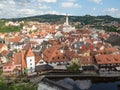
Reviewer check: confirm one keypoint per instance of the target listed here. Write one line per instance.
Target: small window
(58, 57)
(9, 67)
(116, 59)
(99, 60)
(108, 59)
(31, 68)
(40, 62)
(30, 60)
(30, 63)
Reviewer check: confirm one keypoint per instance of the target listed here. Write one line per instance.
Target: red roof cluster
(108, 59)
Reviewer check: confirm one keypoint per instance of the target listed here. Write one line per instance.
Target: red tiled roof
(9, 63)
(52, 54)
(86, 60)
(111, 49)
(29, 53)
(23, 59)
(17, 58)
(5, 52)
(15, 39)
(37, 58)
(1, 45)
(107, 59)
(71, 54)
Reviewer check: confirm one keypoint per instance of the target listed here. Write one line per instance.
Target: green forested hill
(87, 19)
(95, 21)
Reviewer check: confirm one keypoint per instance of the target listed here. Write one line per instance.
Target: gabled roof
(53, 54)
(29, 53)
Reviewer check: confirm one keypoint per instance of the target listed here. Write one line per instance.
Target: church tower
(30, 61)
(66, 26)
(67, 21)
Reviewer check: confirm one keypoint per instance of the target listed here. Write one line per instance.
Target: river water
(80, 85)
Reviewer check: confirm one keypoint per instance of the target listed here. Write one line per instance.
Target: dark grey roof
(43, 67)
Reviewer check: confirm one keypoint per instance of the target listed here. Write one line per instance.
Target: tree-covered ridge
(100, 22)
(87, 19)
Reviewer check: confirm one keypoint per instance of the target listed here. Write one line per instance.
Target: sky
(25, 8)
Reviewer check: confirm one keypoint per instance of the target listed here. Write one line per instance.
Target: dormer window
(108, 59)
(41, 62)
(99, 60)
(48, 51)
(116, 59)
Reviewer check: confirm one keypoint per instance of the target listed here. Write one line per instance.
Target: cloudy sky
(24, 8)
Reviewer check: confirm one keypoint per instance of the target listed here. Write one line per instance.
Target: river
(79, 85)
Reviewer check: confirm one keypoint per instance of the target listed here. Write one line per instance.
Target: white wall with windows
(30, 61)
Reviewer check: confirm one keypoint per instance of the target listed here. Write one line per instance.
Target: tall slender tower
(67, 22)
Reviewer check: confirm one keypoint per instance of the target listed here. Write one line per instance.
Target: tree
(74, 67)
(20, 85)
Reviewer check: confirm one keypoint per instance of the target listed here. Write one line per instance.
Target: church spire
(67, 22)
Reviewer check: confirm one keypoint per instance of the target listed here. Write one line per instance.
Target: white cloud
(96, 1)
(27, 11)
(48, 1)
(111, 10)
(2, 6)
(94, 9)
(52, 12)
(70, 4)
(41, 6)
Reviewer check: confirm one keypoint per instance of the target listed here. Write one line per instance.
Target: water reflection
(80, 85)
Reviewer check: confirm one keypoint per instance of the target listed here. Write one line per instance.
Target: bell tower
(67, 21)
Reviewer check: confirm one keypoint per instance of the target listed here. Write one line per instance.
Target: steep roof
(23, 59)
(53, 54)
(1, 45)
(29, 53)
(17, 58)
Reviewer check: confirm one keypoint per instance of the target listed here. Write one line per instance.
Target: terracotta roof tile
(107, 59)
(52, 54)
(9, 63)
(17, 58)
(29, 53)
(86, 60)
(5, 52)
(15, 39)
(37, 58)
(1, 45)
